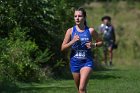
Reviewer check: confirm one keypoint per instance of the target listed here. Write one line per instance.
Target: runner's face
(105, 21)
(78, 17)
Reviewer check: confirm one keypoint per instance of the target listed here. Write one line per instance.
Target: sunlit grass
(117, 79)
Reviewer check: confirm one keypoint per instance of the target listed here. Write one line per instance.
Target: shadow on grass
(32, 89)
(100, 73)
(104, 77)
(8, 88)
(67, 75)
(105, 73)
(23, 90)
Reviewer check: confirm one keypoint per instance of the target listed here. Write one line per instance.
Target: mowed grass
(112, 80)
(116, 81)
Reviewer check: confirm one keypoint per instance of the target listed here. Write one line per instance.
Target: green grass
(117, 79)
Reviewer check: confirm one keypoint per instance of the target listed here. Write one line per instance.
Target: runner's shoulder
(91, 29)
(70, 30)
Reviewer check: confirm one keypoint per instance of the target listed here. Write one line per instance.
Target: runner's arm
(96, 37)
(113, 35)
(67, 42)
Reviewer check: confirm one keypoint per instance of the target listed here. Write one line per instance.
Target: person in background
(107, 31)
(79, 39)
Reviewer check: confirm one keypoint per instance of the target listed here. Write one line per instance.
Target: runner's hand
(75, 38)
(88, 45)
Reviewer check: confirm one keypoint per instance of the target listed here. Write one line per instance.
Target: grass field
(115, 79)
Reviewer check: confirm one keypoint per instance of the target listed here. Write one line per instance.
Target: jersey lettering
(80, 54)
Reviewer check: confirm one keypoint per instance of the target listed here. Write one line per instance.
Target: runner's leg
(76, 77)
(84, 77)
(110, 54)
(105, 56)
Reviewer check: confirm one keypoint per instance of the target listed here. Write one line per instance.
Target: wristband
(94, 44)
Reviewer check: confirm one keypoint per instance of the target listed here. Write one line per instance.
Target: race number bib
(81, 54)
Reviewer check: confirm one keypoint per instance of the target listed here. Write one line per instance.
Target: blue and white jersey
(107, 32)
(79, 49)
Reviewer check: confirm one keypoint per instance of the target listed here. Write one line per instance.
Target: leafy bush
(31, 33)
(16, 57)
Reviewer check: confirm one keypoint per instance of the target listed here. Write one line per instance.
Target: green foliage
(31, 33)
(43, 57)
(136, 48)
(16, 57)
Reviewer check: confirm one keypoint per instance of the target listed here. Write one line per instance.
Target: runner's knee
(82, 89)
(110, 49)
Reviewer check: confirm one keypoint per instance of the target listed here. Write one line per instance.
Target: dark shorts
(107, 44)
(77, 64)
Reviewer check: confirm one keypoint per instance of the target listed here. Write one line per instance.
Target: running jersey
(79, 49)
(107, 32)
